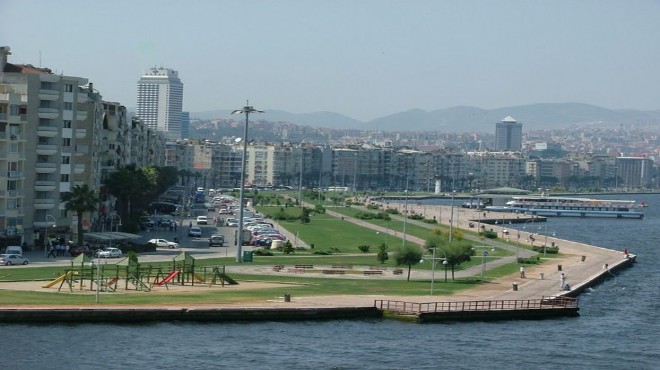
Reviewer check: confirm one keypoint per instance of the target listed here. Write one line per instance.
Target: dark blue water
(618, 328)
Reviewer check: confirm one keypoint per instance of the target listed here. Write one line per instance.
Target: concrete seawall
(124, 315)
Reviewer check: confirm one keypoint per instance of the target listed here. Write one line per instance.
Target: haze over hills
(466, 119)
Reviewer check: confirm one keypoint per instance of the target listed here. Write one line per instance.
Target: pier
(544, 307)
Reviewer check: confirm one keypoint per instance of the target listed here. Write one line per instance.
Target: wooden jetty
(545, 307)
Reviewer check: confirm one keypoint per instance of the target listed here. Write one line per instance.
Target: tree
(382, 255)
(456, 252)
(80, 199)
(408, 255)
(304, 215)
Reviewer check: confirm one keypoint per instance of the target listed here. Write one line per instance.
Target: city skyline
(361, 59)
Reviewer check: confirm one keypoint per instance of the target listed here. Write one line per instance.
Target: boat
(543, 205)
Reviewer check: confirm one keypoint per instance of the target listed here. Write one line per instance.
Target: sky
(362, 58)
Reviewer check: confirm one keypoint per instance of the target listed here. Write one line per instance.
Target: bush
(287, 248)
(430, 221)
(392, 211)
(372, 206)
(323, 253)
(548, 250)
(364, 248)
(416, 217)
(488, 234)
(530, 260)
(262, 252)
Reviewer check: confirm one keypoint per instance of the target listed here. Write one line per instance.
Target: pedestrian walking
(522, 272)
(562, 281)
(51, 251)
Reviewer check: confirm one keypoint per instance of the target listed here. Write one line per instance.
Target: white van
(14, 249)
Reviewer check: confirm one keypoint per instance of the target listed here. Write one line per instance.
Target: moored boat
(568, 206)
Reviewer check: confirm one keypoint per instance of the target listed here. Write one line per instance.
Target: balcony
(45, 167)
(78, 169)
(14, 194)
(44, 185)
(82, 98)
(49, 77)
(44, 203)
(47, 131)
(51, 113)
(14, 174)
(81, 133)
(81, 115)
(46, 149)
(45, 94)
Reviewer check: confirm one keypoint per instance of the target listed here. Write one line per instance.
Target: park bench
(376, 268)
(397, 271)
(334, 272)
(297, 271)
(344, 267)
(304, 266)
(373, 272)
(278, 268)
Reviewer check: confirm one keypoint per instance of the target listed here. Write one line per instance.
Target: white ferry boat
(567, 206)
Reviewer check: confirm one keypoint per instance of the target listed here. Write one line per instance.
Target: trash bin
(287, 297)
(584, 258)
(515, 287)
(558, 267)
(542, 276)
(247, 256)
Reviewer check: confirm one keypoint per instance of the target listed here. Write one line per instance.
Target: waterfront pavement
(580, 263)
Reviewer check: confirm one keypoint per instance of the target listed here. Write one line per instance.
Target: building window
(66, 159)
(68, 88)
(68, 106)
(66, 141)
(66, 123)
(64, 177)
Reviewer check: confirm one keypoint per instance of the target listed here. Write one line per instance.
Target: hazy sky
(364, 59)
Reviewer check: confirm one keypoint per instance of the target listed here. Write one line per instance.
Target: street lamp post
(433, 261)
(247, 109)
(405, 217)
(451, 217)
(46, 232)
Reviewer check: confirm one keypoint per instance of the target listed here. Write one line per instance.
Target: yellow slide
(198, 278)
(58, 280)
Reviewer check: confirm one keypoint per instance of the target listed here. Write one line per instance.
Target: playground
(89, 276)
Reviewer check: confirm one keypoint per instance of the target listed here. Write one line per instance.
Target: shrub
(548, 250)
(364, 248)
(392, 211)
(287, 248)
(488, 234)
(416, 217)
(533, 260)
(429, 221)
(262, 252)
(372, 206)
(323, 253)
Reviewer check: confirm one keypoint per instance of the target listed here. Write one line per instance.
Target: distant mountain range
(466, 119)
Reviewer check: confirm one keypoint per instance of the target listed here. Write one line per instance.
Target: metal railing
(471, 306)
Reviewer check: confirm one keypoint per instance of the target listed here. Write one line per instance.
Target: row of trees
(134, 188)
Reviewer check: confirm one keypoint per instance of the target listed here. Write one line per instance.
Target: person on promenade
(51, 251)
(562, 281)
(522, 272)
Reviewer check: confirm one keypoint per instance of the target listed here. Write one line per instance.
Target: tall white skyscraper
(508, 135)
(160, 101)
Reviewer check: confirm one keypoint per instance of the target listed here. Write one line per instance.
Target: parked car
(13, 259)
(164, 243)
(110, 253)
(202, 220)
(81, 249)
(217, 240)
(231, 222)
(195, 231)
(263, 242)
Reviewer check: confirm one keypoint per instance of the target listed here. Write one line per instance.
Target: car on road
(231, 222)
(195, 231)
(110, 253)
(163, 243)
(80, 249)
(202, 220)
(217, 240)
(13, 259)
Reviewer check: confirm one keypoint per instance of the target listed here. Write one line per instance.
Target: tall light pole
(247, 109)
(405, 216)
(46, 231)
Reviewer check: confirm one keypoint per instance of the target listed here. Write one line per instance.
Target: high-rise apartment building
(508, 135)
(160, 101)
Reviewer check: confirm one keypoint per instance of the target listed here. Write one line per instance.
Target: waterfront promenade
(581, 264)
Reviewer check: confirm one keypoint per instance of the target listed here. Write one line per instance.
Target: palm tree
(80, 199)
